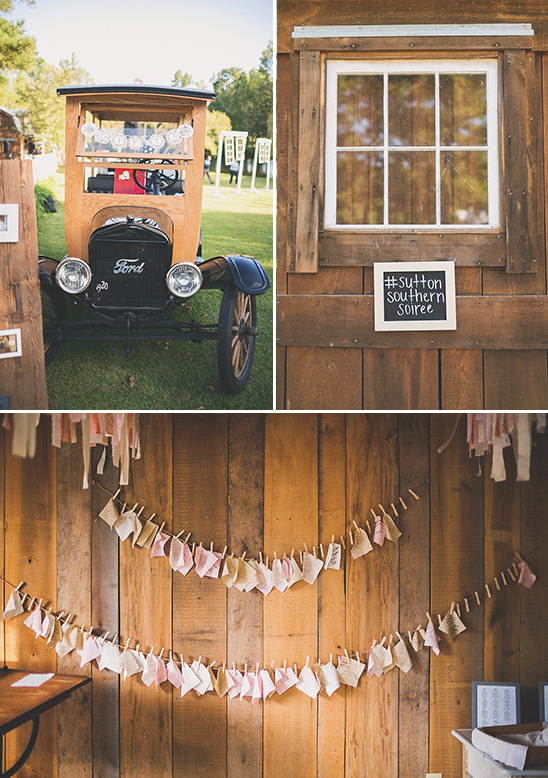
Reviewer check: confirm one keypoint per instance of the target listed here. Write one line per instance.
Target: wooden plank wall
(328, 356)
(309, 476)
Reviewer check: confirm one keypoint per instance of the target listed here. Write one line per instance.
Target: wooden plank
(30, 549)
(414, 590)
(200, 451)
(332, 611)
(146, 608)
(347, 320)
(309, 164)
(280, 377)
(515, 379)
(2, 531)
(288, 103)
(245, 609)
(283, 119)
(323, 379)
(372, 597)
(24, 377)
(502, 538)
(416, 43)
(400, 379)
(521, 164)
(74, 554)
(290, 618)
(365, 248)
(533, 664)
(105, 615)
(461, 379)
(457, 568)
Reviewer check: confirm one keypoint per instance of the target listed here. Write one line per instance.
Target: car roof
(137, 89)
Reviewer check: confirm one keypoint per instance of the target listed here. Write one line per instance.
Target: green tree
(17, 50)
(185, 79)
(246, 98)
(37, 93)
(216, 122)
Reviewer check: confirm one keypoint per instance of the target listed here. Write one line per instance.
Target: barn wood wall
(310, 475)
(317, 368)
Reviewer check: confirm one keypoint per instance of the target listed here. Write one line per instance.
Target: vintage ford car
(133, 189)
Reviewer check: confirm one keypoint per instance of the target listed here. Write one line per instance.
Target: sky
(118, 41)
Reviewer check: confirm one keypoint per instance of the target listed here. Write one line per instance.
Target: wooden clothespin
(301, 557)
(368, 526)
(515, 568)
(402, 502)
(224, 552)
(261, 557)
(123, 507)
(161, 654)
(504, 581)
(321, 551)
(373, 514)
(382, 509)
(355, 524)
(292, 553)
(343, 543)
(409, 636)
(142, 509)
(162, 525)
(439, 620)
(383, 641)
(518, 556)
(116, 493)
(346, 653)
(496, 580)
(413, 494)
(178, 535)
(398, 635)
(243, 556)
(40, 603)
(428, 616)
(187, 537)
(511, 574)
(477, 598)
(305, 547)
(307, 660)
(488, 590)
(350, 536)
(396, 514)
(457, 606)
(211, 546)
(107, 634)
(314, 550)
(127, 644)
(332, 539)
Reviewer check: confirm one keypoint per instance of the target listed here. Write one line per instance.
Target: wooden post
(23, 378)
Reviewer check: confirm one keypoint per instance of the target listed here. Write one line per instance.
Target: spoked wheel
(53, 317)
(236, 338)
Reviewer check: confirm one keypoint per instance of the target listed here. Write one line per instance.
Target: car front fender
(246, 273)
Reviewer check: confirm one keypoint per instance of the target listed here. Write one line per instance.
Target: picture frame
(495, 703)
(413, 296)
(543, 700)
(9, 223)
(10, 343)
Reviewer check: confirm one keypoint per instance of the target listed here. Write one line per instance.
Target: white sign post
(262, 155)
(234, 147)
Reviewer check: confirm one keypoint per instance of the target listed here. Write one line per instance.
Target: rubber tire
(54, 308)
(233, 382)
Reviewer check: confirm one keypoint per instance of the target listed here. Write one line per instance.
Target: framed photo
(9, 223)
(495, 704)
(543, 701)
(415, 296)
(10, 343)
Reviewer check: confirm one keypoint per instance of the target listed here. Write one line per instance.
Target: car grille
(129, 274)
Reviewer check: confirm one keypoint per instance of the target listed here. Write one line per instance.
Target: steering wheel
(156, 181)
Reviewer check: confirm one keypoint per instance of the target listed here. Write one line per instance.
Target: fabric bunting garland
(312, 679)
(280, 573)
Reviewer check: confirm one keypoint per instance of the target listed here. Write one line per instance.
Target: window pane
(411, 110)
(359, 107)
(463, 110)
(464, 187)
(412, 187)
(360, 187)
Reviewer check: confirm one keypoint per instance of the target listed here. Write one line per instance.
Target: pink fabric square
(215, 569)
(380, 531)
(158, 547)
(526, 576)
(431, 638)
(174, 674)
(237, 678)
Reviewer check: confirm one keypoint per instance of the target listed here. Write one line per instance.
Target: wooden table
(20, 704)
(476, 764)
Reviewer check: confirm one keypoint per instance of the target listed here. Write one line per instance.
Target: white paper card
(33, 679)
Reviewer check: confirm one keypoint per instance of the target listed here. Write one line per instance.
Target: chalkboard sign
(415, 296)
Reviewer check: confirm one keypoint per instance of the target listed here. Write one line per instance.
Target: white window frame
(396, 67)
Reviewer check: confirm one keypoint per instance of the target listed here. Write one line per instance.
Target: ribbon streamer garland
(258, 684)
(247, 574)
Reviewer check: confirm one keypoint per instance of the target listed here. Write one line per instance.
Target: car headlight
(73, 275)
(184, 279)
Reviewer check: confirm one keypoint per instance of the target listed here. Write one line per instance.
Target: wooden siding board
(372, 597)
(344, 248)
(461, 379)
(74, 521)
(146, 610)
(309, 164)
(533, 663)
(396, 379)
(502, 610)
(416, 43)
(290, 618)
(331, 586)
(457, 568)
(324, 379)
(30, 549)
(515, 379)
(200, 495)
(105, 616)
(519, 135)
(245, 609)
(414, 589)
(284, 182)
(347, 320)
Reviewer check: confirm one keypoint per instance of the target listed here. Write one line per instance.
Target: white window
(412, 144)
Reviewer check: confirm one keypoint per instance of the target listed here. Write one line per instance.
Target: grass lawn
(173, 374)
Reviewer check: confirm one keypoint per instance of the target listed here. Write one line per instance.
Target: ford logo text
(128, 266)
